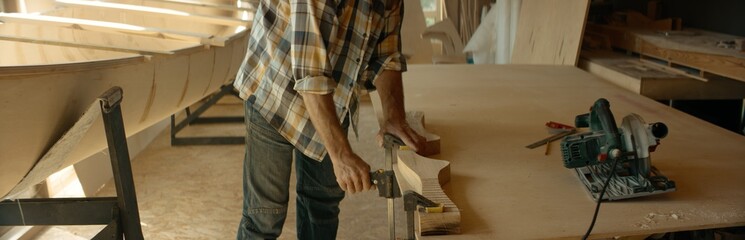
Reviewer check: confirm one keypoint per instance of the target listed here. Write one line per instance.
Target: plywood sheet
(550, 32)
(506, 191)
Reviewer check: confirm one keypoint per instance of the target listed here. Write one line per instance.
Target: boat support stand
(196, 118)
(120, 214)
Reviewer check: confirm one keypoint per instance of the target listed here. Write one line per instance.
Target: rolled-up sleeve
(388, 50)
(313, 22)
(387, 54)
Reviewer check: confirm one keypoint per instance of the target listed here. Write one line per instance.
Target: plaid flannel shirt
(319, 47)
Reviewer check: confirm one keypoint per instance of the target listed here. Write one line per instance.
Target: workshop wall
(723, 16)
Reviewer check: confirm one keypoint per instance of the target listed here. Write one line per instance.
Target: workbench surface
(487, 114)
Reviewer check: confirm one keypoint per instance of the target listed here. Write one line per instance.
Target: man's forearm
(391, 92)
(323, 116)
(352, 173)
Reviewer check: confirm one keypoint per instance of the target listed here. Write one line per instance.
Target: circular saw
(591, 154)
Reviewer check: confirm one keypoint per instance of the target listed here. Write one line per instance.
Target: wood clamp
(386, 183)
(412, 200)
(387, 186)
(391, 144)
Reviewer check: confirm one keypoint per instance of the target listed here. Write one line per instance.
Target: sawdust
(724, 217)
(654, 218)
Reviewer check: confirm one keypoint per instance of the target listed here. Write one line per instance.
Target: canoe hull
(38, 107)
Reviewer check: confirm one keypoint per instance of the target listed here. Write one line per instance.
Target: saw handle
(601, 118)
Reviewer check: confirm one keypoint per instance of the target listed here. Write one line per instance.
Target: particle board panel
(550, 32)
(505, 191)
(692, 48)
(724, 65)
(643, 78)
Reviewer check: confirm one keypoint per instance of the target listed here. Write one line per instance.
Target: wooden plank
(636, 19)
(656, 83)
(619, 37)
(224, 33)
(104, 26)
(425, 176)
(505, 191)
(241, 7)
(550, 32)
(728, 66)
(416, 121)
(655, 65)
(691, 48)
(78, 38)
(158, 11)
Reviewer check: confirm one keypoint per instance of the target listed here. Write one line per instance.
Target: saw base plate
(623, 186)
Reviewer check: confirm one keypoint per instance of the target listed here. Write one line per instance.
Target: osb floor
(194, 192)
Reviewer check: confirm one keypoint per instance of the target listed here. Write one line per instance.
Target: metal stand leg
(117, 140)
(195, 118)
(120, 213)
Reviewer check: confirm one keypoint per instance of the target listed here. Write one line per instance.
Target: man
(306, 64)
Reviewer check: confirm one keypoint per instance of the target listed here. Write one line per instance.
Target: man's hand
(402, 130)
(391, 91)
(352, 173)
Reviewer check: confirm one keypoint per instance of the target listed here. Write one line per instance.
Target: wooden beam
(220, 20)
(208, 4)
(103, 26)
(727, 66)
(416, 121)
(425, 176)
(66, 43)
(657, 83)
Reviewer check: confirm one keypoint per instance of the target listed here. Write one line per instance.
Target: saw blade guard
(641, 139)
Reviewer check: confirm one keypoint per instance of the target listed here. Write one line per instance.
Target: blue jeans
(266, 182)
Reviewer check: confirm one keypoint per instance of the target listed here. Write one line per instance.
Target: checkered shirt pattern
(333, 47)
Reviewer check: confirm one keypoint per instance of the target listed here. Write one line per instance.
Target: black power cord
(600, 198)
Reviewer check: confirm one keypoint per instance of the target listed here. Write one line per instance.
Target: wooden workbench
(487, 114)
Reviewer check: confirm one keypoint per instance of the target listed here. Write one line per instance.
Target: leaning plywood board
(506, 191)
(47, 88)
(416, 49)
(550, 32)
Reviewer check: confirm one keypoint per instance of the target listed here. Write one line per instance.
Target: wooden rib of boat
(165, 54)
